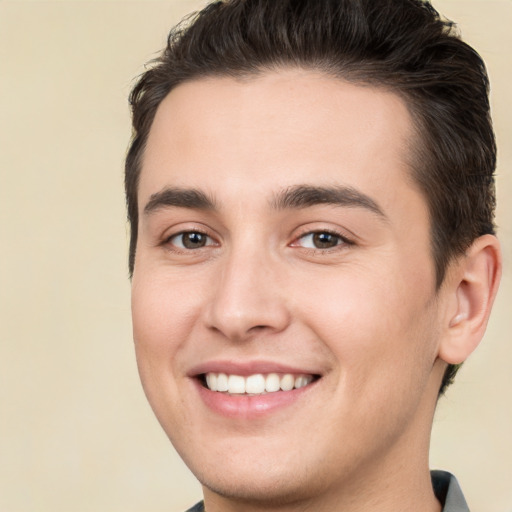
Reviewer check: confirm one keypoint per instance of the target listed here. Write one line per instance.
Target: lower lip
(250, 406)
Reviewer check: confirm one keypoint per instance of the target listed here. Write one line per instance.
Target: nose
(248, 297)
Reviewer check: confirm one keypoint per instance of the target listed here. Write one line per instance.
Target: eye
(190, 240)
(321, 240)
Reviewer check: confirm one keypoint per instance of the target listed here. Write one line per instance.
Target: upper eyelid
(329, 231)
(342, 241)
(323, 231)
(183, 232)
(185, 227)
(343, 234)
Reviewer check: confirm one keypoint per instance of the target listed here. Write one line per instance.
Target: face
(284, 306)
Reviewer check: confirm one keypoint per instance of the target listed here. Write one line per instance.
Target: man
(311, 197)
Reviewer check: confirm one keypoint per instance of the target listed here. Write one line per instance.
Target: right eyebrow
(180, 198)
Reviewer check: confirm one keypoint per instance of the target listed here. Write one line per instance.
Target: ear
(472, 285)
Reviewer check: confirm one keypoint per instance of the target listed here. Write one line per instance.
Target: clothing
(448, 492)
(446, 489)
(198, 507)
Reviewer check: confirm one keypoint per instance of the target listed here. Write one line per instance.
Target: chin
(266, 481)
(266, 490)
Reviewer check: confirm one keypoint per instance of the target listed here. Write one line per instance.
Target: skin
(363, 314)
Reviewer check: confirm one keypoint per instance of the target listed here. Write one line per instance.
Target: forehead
(274, 130)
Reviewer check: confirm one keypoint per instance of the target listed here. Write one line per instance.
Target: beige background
(75, 431)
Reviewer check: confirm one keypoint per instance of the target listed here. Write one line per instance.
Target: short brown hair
(402, 45)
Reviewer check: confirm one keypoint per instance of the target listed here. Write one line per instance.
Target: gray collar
(447, 491)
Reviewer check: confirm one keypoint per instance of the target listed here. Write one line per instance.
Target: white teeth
(301, 381)
(272, 383)
(256, 384)
(222, 382)
(236, 384)
(211, 381)
(287, 382)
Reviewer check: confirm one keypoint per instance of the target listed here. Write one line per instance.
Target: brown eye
(325, 240)
(190, 240)
(321, 240)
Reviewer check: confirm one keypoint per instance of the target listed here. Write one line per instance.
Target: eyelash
(168, 241)
(342, 241)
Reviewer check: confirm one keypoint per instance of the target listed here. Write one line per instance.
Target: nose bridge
(247, 295)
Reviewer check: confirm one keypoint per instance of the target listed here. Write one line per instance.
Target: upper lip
(245, 368)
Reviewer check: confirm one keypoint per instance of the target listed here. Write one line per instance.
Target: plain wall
(76, 433)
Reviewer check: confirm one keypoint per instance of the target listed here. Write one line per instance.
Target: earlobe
(474, 285)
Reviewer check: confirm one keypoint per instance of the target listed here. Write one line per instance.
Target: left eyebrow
(305, 196)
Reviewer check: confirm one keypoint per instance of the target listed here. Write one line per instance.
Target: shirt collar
(448, 492)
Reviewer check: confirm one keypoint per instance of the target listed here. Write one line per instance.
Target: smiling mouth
(257, 384)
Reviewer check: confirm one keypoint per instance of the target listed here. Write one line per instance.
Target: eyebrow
(305, 196)
(296, 197)
(180, 198)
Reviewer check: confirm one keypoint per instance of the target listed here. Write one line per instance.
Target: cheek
(163, 315)
(162, 310)
(374, 322)
(161, 324)
(383, 348)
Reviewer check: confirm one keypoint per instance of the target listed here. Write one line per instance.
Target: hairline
(414, 144)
